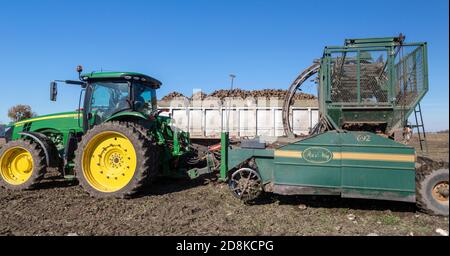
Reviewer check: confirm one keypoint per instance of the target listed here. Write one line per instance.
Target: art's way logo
(317, 155)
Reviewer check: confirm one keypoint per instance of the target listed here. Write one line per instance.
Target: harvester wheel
(114, 159)
(22, 165)
(432, 192)
(246, 184)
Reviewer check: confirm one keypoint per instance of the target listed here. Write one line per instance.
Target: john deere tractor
(113, 144)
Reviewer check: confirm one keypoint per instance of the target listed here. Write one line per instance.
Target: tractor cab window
(144, 98)
(107, 99)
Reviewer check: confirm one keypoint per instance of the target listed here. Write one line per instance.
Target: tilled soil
(202, 207)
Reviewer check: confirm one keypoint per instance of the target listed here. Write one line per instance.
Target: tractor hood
(61, 123)
(68, 116)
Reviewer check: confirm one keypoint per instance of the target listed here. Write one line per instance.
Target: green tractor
(115, 142)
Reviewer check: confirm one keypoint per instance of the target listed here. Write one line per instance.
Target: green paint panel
(126, 114)
(358, 164)
(297, 170)
(265, 168)
(378, 179)
(239, 155)
(224, 143)
(326, 176)
(62, 122)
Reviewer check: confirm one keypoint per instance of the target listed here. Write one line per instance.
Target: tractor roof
(122, 75)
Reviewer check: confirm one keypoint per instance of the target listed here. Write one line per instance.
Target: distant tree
(20, 112)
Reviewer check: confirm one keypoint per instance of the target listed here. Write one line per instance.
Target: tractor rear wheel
(22, 165)
(114, 159)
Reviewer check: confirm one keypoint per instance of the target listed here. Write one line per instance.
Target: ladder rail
(421, 129)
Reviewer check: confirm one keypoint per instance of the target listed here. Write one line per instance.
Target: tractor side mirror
(53, 91)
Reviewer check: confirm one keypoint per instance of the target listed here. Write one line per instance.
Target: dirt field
(205, 207)
(437, 145)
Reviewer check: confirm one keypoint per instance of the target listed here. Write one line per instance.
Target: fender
(50, 151)
(126, 114)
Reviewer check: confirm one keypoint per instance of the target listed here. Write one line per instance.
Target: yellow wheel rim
(16, 165)
(109, 161)
(440, 192)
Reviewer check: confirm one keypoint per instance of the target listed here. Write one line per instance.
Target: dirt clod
(351, 217)
(302, 207)
(442, 232)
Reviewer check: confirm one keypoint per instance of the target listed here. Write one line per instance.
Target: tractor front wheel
(114, 160)
(22, 165)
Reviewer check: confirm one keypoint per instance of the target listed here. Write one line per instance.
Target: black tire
(146, 162)
(425, 199)
(39, 164)
(155, 152)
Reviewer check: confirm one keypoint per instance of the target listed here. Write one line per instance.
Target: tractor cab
(109, 94)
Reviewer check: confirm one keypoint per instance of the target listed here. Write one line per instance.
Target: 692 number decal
(364, 138)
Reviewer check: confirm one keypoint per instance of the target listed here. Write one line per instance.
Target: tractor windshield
(108, 98)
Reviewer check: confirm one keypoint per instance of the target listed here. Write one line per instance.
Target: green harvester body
(367, 89)
(350, 164)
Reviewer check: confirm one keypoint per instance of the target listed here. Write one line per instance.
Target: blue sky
(197, 43)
